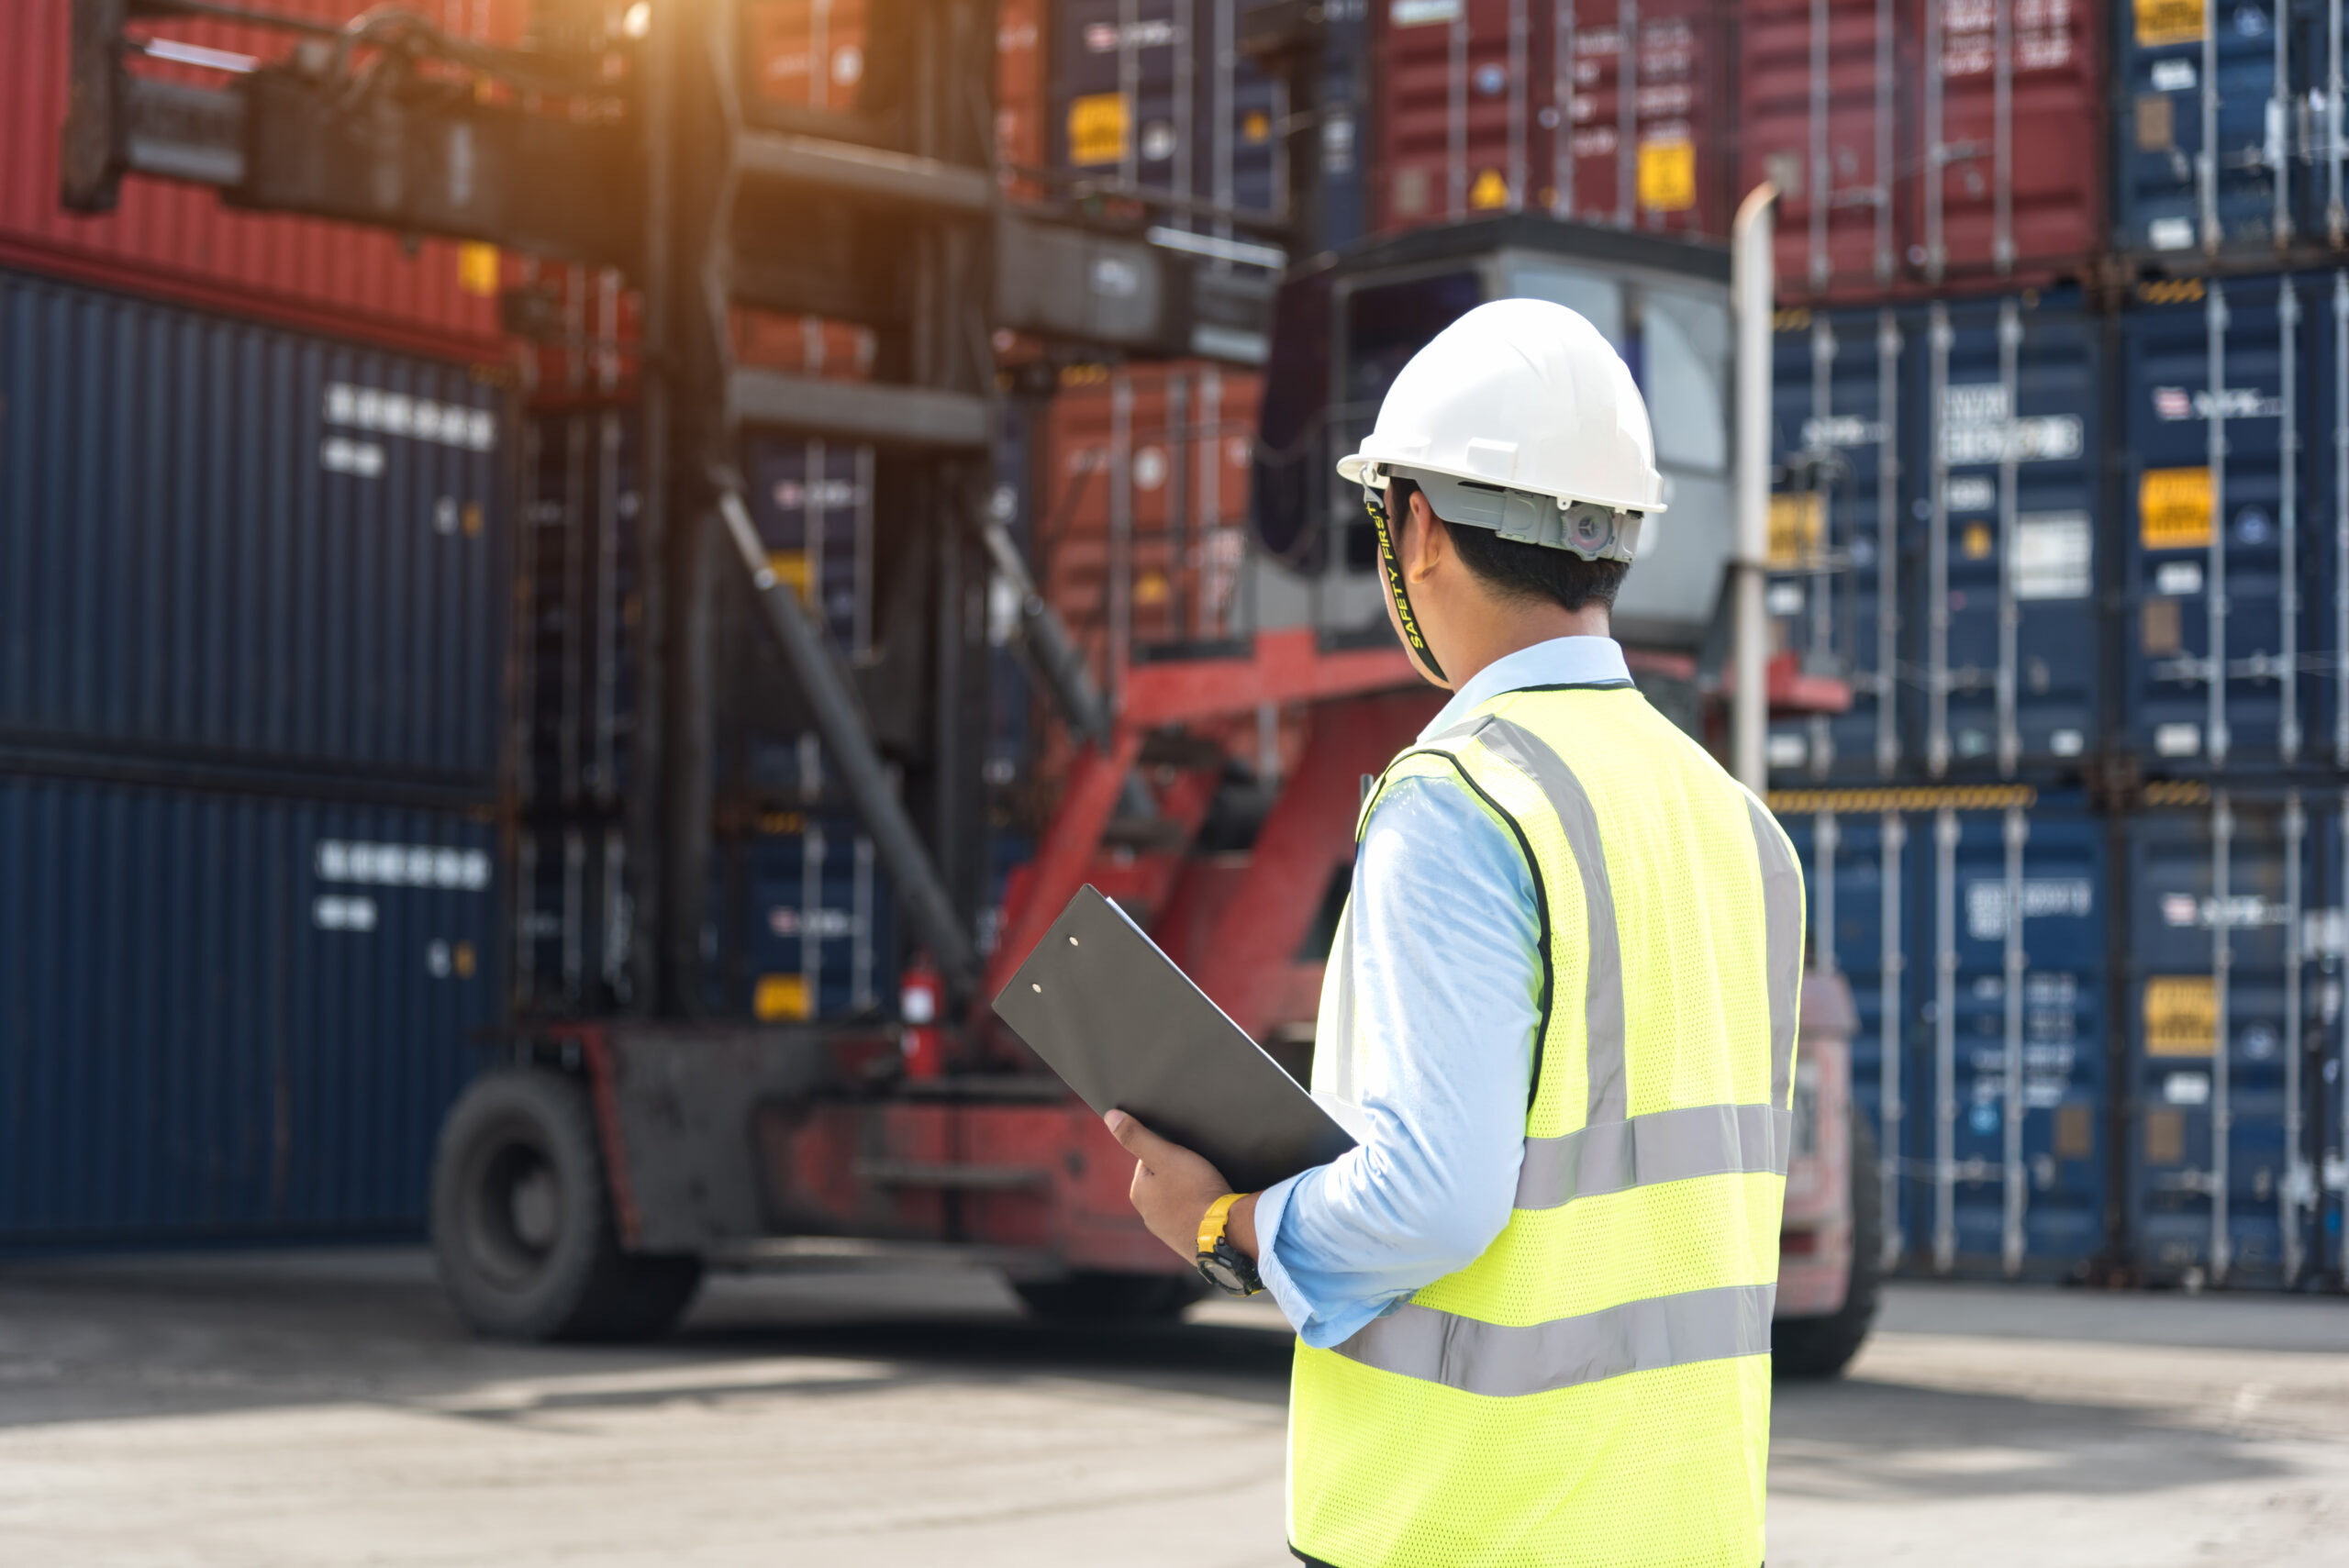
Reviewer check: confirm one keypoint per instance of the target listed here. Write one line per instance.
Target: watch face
(1222, 1276)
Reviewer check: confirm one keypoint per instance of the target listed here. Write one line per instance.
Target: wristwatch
(1221, 1263)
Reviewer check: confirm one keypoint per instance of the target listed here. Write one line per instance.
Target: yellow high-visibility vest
(1595, 1389)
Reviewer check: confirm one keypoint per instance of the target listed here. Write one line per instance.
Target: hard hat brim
(1351, 467)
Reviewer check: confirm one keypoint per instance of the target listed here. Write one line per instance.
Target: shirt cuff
(1271, 1205)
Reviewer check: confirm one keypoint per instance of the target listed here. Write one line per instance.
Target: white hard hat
(1521, 400)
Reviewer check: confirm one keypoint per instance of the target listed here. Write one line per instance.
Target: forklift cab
(1345, 324)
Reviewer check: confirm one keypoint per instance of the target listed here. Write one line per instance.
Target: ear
(1426, 543)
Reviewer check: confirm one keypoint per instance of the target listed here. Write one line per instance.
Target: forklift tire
(1099, 1297)
(1815, 1348)
(522, 1226)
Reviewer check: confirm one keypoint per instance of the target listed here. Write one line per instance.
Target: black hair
(1520, 571)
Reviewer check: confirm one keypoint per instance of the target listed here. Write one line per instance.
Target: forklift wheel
(522, 1227)
(1111, 1297)
(1823, 1347)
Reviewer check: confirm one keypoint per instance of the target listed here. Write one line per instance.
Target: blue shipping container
(2236, 551)
(232, 545)
(821, 937)
(2234, 928)
(2228, 143)
(1156, 94)
(1946, 538)
(231, 1016)
(1973, 941)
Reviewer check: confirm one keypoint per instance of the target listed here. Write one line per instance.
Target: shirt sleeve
(1447, 979)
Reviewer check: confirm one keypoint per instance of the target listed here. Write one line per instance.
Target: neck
(1510, 626)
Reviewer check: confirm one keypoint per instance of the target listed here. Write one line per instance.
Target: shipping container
(231, 1016)
(1972, 650)
(1972, 933)
(1923, 145)
(179, 240)
(1022, 107)
(1141, 507)
(818, 939)
(233, 546)
(805, 54)
(1154, 95)
(2228, 143)
(2236, 922)
(2236, 549)
(1488, 105)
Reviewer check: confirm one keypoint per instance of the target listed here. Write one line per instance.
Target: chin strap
(1375, 502)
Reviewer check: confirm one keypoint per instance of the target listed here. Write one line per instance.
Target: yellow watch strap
(1211, 1223)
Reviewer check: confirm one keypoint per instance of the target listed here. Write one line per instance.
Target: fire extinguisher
(919, 996)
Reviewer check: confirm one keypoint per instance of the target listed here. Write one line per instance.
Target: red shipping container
(1928, 143)
(178, 242)
(1019, 90)
(1142, 504)
(1488, 105)
(808, 54)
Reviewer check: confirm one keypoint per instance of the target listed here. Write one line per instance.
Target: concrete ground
(326, 1409)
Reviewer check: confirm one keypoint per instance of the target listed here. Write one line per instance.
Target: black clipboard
(1124, 1027)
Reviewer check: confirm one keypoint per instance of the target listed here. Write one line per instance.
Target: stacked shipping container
(2063, 497)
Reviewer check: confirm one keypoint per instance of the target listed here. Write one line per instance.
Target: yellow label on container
(1975, 541)
(1489, 192)
(780, 997)
(791, 566)
(1099, 125)
(2181, 1015)
(477, 268)
(1255, 126)
(1668, 175)
(2168, 21)
(1798, 527)
(2174, 508)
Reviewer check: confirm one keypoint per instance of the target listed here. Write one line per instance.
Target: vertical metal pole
(1936, 144)
(1455, 123)
(1120, 592)
(2017, 1183)
(1627, 110)
(1186, 105)
(1819, 585)
(2222, 837)
(2336, 215)
(860, 955)
(1750, 286)
(1827, 839)
(1130, 89)
(1561, 98)
(2009, 545)
(1887, 543)
(1886, 80)
(1892, 958)
(2206, 163)
(1227, 65)
(2214, 598)
(1180, 439)
(1208, 608)
(860, 641)
(2295, 1166)
(2341, 546)
(2280, 104)
(812, 848)
(1822, 171)
(2288, 479)
(1945, 831)
(1521, 55)
(2002, 142)
(1937, 550)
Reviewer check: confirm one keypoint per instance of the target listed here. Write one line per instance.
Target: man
(1533, 1305)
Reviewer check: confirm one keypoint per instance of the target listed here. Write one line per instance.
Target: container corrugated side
(819, 936)
(231, 1017)
(1153, 94)
(1482, 106)
(2234, 543)
(178, 240)
(1922, 906)
(2234, 944)
(235, 545)
(1925, 146)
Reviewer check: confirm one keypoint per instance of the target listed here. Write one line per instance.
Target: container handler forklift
(615, 1149)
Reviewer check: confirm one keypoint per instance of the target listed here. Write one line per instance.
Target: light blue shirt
(1447, 977)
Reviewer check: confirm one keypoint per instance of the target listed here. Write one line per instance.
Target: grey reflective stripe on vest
(1662, 1146)
(1782, 917)
(1603, 993)
(1638, 1336)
